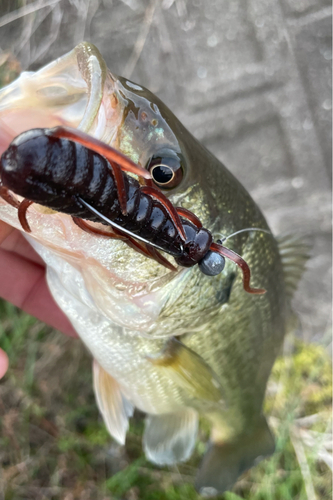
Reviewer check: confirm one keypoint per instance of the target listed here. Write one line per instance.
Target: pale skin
(23, 283)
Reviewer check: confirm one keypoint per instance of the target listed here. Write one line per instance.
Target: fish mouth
(68, 91)
(75, 90)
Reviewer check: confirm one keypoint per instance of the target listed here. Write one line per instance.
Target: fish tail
(224, 462)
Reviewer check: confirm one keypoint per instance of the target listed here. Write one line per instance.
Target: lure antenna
(248, 229)
(237, 259)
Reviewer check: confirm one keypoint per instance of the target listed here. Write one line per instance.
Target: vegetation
(53, 443)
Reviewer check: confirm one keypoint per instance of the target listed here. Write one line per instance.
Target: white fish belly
(123, 353)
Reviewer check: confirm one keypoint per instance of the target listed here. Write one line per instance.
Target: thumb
(3, 363)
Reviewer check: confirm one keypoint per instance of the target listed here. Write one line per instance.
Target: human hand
(23, 283)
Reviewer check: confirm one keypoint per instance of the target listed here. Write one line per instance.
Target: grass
(54, 445)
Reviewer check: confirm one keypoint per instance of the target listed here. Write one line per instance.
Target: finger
(23, 283)
(6, 136)
(16, 242)
(3, 363)
(5, 231)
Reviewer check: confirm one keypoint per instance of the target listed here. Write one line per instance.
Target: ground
(53, 443)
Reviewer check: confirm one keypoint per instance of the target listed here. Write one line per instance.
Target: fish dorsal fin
(294, 255)
(190, 372)
(114, 407)
(170, 438)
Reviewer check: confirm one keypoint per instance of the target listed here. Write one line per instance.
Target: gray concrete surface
(250, 79)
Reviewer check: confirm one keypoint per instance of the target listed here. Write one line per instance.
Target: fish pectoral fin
(224, 462)
(170, 438)
(188, 370)
(114, 407)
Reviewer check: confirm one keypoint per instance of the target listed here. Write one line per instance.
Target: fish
(174, 343)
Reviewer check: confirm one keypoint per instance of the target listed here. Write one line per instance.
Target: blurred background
(252, 81)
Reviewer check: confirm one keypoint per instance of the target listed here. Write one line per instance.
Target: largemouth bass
(174, 344)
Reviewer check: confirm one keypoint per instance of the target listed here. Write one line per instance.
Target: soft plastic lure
(71, 172)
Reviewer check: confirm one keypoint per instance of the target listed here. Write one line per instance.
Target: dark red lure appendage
(226, 252)
(156, 193)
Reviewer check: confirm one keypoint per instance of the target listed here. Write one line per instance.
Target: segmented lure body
(71, 172)
(58, 173)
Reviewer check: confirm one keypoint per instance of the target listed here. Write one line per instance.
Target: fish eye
(166, 169)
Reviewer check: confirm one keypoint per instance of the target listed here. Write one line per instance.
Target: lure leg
(22, 214)
(120, 183)
(183, 212)
(147, 182)
(139, 247)
(151, 252)
(156, 255)
(145, 250)
(6, 195)
(155, 193)
(82, 224)
(100, 147)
